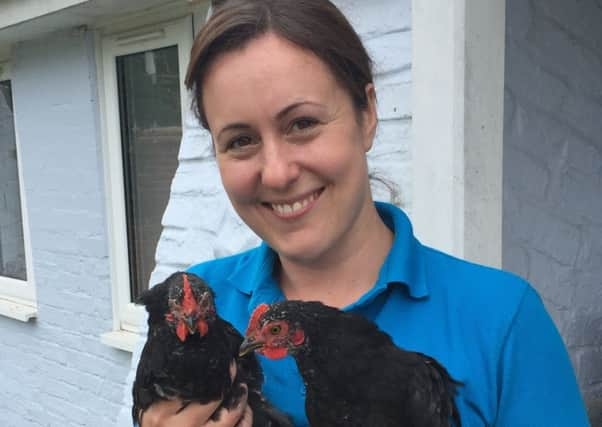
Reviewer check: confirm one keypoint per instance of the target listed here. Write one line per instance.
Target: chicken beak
(190, 324)
(249, 345)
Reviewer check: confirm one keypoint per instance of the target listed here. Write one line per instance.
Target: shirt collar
(403, 265)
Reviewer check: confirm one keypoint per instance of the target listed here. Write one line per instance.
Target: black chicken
(353, 372)
(189, 351)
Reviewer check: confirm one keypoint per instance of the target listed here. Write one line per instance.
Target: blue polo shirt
(489, 328)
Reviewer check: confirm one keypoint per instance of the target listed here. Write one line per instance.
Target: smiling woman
(292, 152)
(285, 88)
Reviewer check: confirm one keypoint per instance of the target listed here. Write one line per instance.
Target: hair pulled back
(315, 25)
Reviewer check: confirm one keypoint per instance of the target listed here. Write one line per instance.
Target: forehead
(267, 54)
(267, 72)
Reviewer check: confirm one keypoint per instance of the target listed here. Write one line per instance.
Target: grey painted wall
(54, 371)
(553, 168)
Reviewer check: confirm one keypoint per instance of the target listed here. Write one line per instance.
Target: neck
(347, 272)
(332, 336)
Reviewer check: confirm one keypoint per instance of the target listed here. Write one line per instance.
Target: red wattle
(274, 353)
(182, 331)
(202, 327)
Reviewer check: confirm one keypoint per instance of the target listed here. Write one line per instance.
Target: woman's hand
(165, 413)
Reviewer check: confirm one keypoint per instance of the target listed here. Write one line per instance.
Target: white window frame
(18, 297)
(127, 317)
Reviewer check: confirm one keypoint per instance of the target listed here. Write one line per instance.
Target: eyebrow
(232, 126)
(286, 110)
(293, 106)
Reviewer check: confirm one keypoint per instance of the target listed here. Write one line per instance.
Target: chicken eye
(275, 330)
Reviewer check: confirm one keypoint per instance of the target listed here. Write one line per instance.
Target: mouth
(295, 208)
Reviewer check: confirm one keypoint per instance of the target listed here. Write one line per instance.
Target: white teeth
(288, 209)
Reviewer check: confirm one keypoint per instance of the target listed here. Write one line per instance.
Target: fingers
(247, 418)
(169, 413)
(234, 416)
(165, 413)
(232, 370)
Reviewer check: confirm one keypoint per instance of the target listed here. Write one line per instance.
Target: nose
(280, 168)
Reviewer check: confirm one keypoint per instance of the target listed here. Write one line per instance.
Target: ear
(369, 117)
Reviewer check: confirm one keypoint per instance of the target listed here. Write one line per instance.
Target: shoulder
(480, 303)
(467, 282)
(220, 270)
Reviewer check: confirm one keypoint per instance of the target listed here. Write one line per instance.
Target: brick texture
(553, 169)
(54, 371)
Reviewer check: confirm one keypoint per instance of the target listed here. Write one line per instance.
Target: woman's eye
(303, 124)
(240, 142)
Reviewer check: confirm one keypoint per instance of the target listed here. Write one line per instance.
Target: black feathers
(354, 374)
(189, 351)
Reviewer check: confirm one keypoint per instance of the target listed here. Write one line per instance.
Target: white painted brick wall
(54, 371)
(553, 168)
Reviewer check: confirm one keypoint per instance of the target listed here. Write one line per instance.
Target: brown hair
(315, 25)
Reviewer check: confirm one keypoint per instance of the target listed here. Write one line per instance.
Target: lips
(294, 207)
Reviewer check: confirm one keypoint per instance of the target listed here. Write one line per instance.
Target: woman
(285, 88)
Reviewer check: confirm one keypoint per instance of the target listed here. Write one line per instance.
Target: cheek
(239, 178)
(341, 151)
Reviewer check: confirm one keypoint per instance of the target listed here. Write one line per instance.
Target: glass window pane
(149, 98)
(12, 251)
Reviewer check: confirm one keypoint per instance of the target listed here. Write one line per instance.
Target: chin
(300, 253)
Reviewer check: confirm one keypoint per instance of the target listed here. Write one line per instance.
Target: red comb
(254, 321)
(188, 302)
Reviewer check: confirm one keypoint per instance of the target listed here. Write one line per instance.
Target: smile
(291, 209)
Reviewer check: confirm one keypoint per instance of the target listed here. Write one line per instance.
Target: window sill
(18, 311)
(122, 340)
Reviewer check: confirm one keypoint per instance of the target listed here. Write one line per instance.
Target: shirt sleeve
(538, 385)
